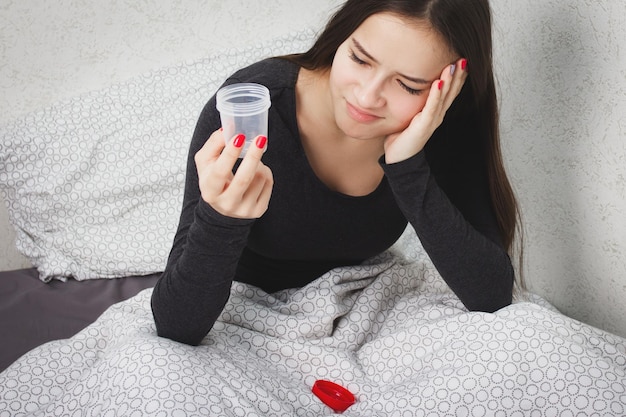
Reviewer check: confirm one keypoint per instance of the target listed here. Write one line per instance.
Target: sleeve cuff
(208, 215)
(415, 163)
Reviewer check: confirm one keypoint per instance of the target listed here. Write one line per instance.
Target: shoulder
(274, 73)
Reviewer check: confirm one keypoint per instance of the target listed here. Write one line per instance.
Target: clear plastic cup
(243, 110)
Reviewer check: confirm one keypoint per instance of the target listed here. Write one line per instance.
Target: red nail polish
(463, 64)
(239, 141)
(261, 141)
(440, 85)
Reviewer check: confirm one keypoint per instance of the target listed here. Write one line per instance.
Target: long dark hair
(466, 26)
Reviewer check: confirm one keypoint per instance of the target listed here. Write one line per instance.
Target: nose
(370, 93)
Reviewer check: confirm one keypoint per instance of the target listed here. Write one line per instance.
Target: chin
(361, 131)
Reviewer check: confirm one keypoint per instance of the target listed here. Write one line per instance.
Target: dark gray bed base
(33, 312)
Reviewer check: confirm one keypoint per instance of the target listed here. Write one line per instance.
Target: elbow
(495, 294)
(174, 330)
(174, 333)
(491, 304)
(179, 338)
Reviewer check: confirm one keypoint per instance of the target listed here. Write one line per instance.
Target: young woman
(390, 117)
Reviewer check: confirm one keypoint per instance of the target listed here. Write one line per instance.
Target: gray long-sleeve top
(309, 229)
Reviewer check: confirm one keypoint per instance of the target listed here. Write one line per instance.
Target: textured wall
(562, 77)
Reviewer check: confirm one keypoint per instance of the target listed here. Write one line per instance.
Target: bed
(34, 312)
(93, 187)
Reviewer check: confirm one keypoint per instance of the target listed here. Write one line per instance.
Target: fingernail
(440, 85)
(463, 64)
(452, 69)
(239, 141)
(261, 141)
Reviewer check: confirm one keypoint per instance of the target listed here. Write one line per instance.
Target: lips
(359, 115)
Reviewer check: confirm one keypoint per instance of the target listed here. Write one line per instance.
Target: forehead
(405, 45)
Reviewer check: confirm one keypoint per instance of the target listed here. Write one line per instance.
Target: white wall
(562, 75)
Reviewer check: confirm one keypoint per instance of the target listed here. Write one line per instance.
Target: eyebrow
(362, 50)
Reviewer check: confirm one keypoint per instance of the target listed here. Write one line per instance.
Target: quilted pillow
(93, 185)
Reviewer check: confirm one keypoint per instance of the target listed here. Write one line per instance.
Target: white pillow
(94, 184)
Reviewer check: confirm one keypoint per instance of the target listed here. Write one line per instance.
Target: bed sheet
(389, 330)
(33, 312)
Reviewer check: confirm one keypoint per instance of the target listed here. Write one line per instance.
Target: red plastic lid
(335, 396)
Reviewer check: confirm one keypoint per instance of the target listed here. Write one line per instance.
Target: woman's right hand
(245, 194)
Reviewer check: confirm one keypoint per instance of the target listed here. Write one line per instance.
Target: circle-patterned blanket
(390, 331)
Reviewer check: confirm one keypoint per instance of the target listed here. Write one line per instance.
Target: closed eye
(356, 59)
(410, 90)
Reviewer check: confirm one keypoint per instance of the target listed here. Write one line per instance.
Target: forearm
(195, 286)
(468, 257)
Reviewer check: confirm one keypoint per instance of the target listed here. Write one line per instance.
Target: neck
(344, 164)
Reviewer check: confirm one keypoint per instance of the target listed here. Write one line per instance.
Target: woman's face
(382, 74)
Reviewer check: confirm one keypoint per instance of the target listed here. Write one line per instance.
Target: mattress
(33, 312)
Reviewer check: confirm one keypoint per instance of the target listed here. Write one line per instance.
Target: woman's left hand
(403, 145)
